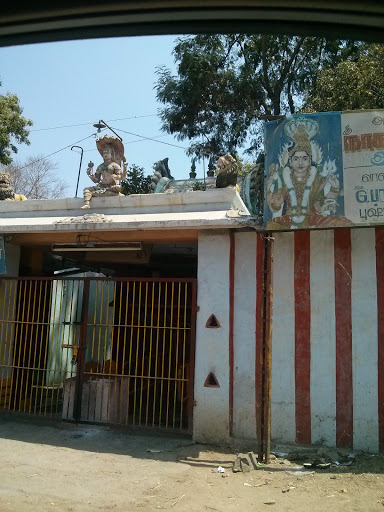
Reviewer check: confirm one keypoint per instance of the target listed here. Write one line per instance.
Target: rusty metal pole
(266, 363)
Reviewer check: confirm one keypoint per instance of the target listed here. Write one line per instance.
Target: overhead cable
(150, 138)
(90, 123)
(54, 153)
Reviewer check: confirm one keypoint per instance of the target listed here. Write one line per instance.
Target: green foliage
(244, 166)
(136, 182)
(352, 84)
(13, 127)
(225, 83)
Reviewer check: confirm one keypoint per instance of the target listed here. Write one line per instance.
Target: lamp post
(81, 159)
(102, 124)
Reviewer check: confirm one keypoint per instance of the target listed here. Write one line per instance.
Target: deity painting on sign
(304, 188)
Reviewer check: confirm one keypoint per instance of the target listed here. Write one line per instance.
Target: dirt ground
(66, 467)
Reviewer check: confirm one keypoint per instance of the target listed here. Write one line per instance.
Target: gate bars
(100, 350)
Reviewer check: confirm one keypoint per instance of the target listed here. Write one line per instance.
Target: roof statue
(162, 175)
(226, 171)
(250, 186)
(108, 175)
(6, 190)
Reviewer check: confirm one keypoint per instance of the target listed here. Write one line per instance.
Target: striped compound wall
(328, 337)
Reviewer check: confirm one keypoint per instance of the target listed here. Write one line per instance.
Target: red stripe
(343, 312)
(380, 329)
(259, 328)
(302, 337)
(231, 324)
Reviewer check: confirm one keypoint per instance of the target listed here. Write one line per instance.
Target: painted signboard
(363, 157)
(324, 170)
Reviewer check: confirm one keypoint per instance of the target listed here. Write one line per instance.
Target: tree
(36, 178)
(135, 181)
(226, 83)
(13, 127)
(352, 84)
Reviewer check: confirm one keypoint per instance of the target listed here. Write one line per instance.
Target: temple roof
(209, 209)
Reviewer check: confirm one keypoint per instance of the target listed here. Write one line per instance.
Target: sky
(66, 87)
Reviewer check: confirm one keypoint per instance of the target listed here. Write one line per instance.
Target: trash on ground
(302, 472)
(220, 469)
(318, 464)
(151, 450)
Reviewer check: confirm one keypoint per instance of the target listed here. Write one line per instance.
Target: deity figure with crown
(109, 174)
(303, 189)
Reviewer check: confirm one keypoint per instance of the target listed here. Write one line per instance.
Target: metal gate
(100, 350)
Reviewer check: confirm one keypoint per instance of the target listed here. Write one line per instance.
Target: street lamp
(102, 124)
(81, 158)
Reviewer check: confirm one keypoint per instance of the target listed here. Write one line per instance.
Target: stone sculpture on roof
(250, 186)
(162, 176)
(6, 190)
(226, 171)
(109, 174)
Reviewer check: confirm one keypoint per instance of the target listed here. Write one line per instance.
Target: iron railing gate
(100, 350)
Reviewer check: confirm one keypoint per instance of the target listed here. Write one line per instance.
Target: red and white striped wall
(328, 338)
(327, 343)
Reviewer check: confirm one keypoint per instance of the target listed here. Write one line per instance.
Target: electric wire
(141, 137)
(150, 138)
(87, 124)
(55, 152)
(131, 142)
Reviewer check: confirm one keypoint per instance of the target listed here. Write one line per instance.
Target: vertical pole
(80, 352)
(81, 159)
(266, 371)
(231, 325)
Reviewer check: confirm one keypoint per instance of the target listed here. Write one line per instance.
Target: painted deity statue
(109, 173)
(302, 190)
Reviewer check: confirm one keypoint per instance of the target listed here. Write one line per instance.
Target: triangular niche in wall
(211, 381)
(212, 322)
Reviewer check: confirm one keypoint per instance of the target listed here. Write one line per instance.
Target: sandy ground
(64, 467)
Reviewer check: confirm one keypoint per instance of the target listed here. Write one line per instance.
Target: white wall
(211, 412)
(244, 340)
(364, 340)
(323, 338)
(283, 340)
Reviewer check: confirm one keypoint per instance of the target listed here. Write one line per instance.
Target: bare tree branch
(35, 178)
